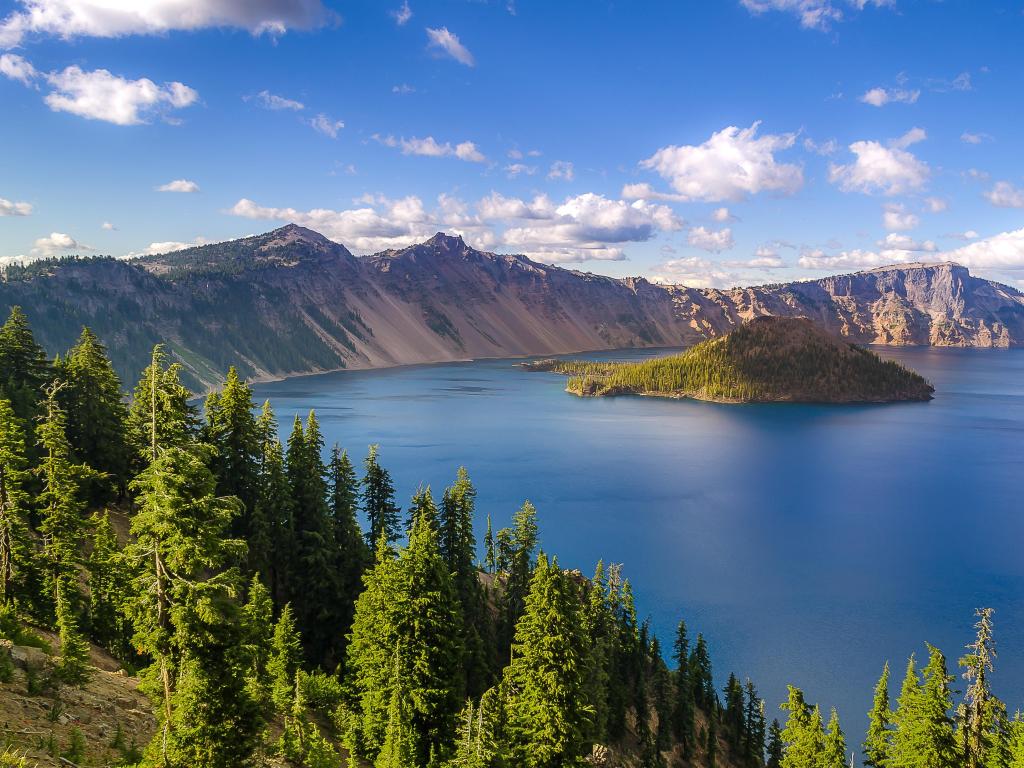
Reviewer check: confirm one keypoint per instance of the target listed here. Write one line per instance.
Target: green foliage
(803, 735)
(160, 416)
(378, 501)
(14, 542)
(24, 369)
(73, 665)
(258, 635)
(877, 745)
(320, 690)
(77, 745)
(233, 432)
(767, 359)
(109, 587)
(285, 660)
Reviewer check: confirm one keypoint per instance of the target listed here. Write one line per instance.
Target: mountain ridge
(292, 302)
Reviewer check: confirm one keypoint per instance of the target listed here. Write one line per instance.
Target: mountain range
(292, 302)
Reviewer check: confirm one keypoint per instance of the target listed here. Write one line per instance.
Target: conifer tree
(978, 729)
(316, 586)
(399, 749)
(160, 416)
(522, 542)
(272, 526)
(711, 741)
(181, 606)
(544, 687)
(735, 713)
(923, 736)
(285, 660)
(232, 430)
(62, 509)
(378, 500)
(352, 556)
(803, 734)
(701, 677)
(600, 628)
(490, 558)
(834, 753)
(754, 727)
(96, 413)
(73, 665)
(109, 585)
(422, 505)
(877, 744)
(24, 369)
(682, 718)
(14, 542)
(776, 746)
(258, 634)
(403, 627)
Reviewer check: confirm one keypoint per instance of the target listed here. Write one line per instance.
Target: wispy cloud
(448, 44)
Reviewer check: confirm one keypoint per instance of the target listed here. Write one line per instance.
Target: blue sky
(710, 143)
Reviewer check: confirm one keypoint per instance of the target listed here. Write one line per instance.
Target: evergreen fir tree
(14, 541)
(776, 746)
(682, 719)
(735, 713)
(96, 413)
(877, 744)
(923, 736)
(379, 501)
(701, 677)
(285, 660)
(599, 627)
(109, 585)
(352, 556)
(182, 609)
(803, 734)
(754, 727)
(544, 686)
(24, 369)
(978, 731)
(160, 416)
(490, 558)
(258, 634)
(272, 526)
(399, 749)
(232, 430)
(73, 665)
(834, 753)
(522, 551)
(422, 505)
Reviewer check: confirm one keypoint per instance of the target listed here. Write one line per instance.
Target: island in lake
(769, 359)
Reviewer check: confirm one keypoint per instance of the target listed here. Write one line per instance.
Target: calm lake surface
(809, 544)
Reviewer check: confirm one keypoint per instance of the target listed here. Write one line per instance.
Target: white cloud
(644, 191)
(515, 169)
(326, 125)
(897, 242)
(813, 14)
(403, 14)
(974, 138)
(824, 148)
(99, 95)
(891, 170)
(1002, 251)
(879, 97)
(764, 258)
(179, 185)
(108, 227)
(430, 147)
(856, 259)
(268, 100)
(562, 169)
(962, 82)
(11, 208)
(722, 214)
(730, 165)
(497, 207)
(57, 243)
(714, 241)
(936, 204)
(896, 218)
(403, 89)
(15, 67)
(1005, 195)
(448, 43)
(168, 246)
(117, 18)
(697, 272)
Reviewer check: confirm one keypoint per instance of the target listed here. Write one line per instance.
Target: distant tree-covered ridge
(769, 359)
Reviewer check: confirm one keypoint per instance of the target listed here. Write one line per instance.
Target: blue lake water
(808, 543)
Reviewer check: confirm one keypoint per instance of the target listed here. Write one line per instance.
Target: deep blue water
(808, 543)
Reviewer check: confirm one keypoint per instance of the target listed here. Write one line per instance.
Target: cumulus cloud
(813, 14)
(644, 191)
(722, 214)
(1005, 195)
(15, 67)
(731, 165)
(447, 43)
(891, 170)
(974, 138)
(168, 246)
(713, 241)
(896, 218)
(581, 228)
(57, 243)
(403, 14)
(515, 169)
(430, 147)
(100, 95)
(11, 208)
(936, 204)
(326, 125)
(102, 18)
(1002, 251)
(562, 169)
(268, 100)
(108, 227)
(879, 97)
(179, 185)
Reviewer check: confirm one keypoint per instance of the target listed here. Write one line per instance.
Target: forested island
(180, 589)
(769, 359)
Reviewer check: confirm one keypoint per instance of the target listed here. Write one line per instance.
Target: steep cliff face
(291, 301)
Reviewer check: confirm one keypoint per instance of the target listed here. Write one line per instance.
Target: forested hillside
(291, 301)
(278, 607)
(770, 359)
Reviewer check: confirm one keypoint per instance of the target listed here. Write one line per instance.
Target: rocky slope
(291, 302)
